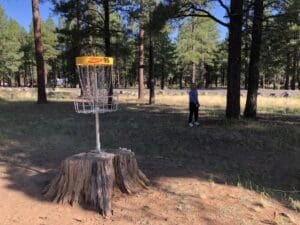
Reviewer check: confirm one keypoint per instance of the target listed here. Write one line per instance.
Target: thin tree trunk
(234, 59)
(141, 58)
(18, 79)
(46, 77)
(32, 81)
(162, 84)
(298, 69)
(193, 72)
(9, 80)
(78, 29)
(107, 43)
(40, 64)
(287, 72)
(251, 103)
(151, 71)
(180, 79)
(193, 49)
(262, 82)
(246, 49)
(223, 71)
(78, 42)
(294, 70)
(25, 74)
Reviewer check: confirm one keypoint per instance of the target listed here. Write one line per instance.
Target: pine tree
(196, 46)
(42, 98)
(253, 80)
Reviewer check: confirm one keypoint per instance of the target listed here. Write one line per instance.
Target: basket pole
(98, 144)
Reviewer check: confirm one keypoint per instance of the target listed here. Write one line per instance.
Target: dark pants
(194, 108)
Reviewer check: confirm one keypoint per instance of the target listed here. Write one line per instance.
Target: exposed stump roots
(91, 177)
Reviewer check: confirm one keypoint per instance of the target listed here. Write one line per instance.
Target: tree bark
(246, 48)
(107, 38)
(163, 78)
(298, 69)
(234, 59)
(253, 82)
(40, 64)
(294, 70)
(287, 72)
(18, 79)
(151, 72)
(141, 57)
(78, 41)
(193, 72)
(223, 72)
(90, 178)
(181, 79)
(193, 49)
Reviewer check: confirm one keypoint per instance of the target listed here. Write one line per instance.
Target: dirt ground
(224, 172)
(169, 200)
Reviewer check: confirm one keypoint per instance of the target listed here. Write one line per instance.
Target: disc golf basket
(96, 81)
(90, 177)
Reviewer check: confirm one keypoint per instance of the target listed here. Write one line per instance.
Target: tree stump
(91, 177)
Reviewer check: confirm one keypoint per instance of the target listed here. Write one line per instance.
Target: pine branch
(224, 7)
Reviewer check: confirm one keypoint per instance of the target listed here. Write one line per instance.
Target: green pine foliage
(11, 39)
(177, 43)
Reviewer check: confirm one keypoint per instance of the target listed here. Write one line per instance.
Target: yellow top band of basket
(94, 61)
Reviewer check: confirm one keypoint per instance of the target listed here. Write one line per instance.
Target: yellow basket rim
(94, 61)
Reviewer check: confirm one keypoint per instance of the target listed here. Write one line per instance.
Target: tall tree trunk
(193, 49)
(25, 74)
(223, 72)
(18, 79)
(246, 48)
(40, 64)
(32, 81)
(262, 81)
(181, 79)
(298, 69)
(78, 29)
(251, 103)
(9, 80)
(193, 72)
(163, 78)
(141, 57)
(107, 34)
(46, 77)
(234, 59)
(108, 53)
(287, 72)
(294, 70)
(78, 42)
(151, 71)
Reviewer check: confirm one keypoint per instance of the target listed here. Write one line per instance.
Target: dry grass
(265, 104)
(276, 105)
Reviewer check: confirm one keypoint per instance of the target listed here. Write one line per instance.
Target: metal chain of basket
(95, 79)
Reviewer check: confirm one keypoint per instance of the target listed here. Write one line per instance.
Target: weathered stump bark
(91, 177)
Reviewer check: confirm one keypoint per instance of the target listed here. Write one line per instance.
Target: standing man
(194, 105)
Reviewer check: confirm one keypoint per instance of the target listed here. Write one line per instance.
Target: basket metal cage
(95, 76)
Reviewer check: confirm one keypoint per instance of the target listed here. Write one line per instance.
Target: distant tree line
(164, 44)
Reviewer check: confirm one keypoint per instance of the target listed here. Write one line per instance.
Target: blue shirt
(193, 96)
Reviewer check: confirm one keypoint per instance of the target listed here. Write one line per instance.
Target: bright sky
(20, 10)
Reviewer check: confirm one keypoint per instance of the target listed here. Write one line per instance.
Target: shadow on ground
(261, 155)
